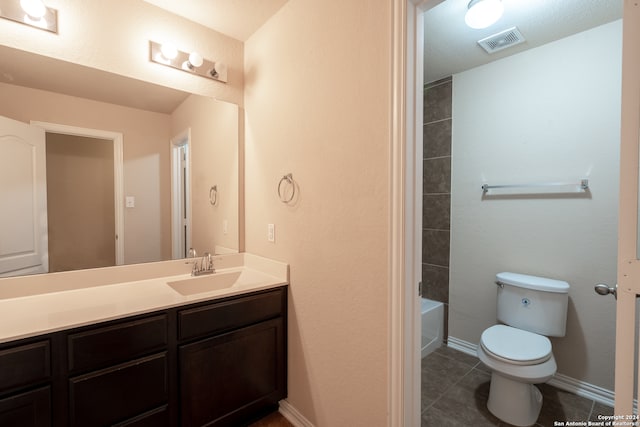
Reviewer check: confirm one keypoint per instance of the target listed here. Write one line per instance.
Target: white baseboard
(462, 346)
(563, 382)
(584, 389)
(293, 415)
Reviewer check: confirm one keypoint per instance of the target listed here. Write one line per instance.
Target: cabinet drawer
(114, 344)
(228, 315)
(158, 417)
(31, 409)
(118, 393)
(24, 365)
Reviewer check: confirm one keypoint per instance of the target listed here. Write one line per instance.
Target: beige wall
(214, 161)
(552, 115)
(80, 211)
(146, 158)
(114, 36)
(317, 100)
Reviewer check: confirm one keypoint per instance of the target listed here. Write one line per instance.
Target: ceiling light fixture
(483, 13)
(193, 63)
(30, 12)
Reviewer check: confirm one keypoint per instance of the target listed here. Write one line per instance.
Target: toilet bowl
(518, 359)
(518, 351)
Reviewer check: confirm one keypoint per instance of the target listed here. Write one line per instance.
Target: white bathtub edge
(432, 325)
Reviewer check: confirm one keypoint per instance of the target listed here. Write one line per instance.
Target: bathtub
(432, 325)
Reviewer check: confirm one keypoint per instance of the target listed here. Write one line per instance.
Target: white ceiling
(238, 19)
(451, 46)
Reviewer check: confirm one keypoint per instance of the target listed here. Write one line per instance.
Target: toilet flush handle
(603, 289)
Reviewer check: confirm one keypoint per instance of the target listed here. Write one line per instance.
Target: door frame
(118, 172)
(182, 139)
(628, 263)
(406, 211)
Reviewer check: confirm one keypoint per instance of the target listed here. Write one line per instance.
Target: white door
(628, 253)
(23, 199)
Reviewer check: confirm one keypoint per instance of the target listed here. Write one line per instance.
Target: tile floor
(455, 389)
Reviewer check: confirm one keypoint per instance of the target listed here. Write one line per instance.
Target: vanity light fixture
(483, 13)
(30, 12)
(193, 62)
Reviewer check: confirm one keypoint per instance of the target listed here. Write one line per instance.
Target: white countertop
(40, 313)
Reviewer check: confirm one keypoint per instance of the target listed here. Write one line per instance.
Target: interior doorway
(85, 197)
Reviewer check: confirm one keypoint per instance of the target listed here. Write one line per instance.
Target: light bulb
(195, 59)
(169, 51)
(218, 68)
(34, 8)
(483, 13)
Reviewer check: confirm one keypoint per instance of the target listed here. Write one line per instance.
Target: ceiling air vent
(502, 40)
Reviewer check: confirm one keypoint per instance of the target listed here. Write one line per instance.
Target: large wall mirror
(176, 185)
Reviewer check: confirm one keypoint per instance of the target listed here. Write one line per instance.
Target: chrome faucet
(205, 266)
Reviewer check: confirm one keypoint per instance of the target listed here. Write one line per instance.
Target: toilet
(518, 351)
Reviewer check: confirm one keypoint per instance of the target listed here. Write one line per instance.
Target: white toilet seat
(515, 346)
(541, 365)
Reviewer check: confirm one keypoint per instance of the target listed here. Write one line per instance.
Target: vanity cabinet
(29, 409)
(25, 390)
(215, 363)
(239, 367)
(123, 372)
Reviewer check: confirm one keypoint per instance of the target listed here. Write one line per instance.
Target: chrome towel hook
(213, 195)
(288, 179)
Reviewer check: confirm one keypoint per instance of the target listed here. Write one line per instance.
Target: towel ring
(288, 178)
(213, 195)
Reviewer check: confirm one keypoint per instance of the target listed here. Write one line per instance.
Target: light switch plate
(271, 232)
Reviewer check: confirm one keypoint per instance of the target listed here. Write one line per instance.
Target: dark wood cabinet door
(24, 365)
(30, 409)
(226, 379)
(118, 393)
(158, 417)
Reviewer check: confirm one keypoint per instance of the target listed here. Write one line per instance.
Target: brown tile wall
(436, 193)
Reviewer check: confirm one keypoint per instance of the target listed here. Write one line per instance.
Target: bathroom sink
(198, 285)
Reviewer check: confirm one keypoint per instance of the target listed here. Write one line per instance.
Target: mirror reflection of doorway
(80, 194)
(180, 195)
(86, 164)
(49, 171)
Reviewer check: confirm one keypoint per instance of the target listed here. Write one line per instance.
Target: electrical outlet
(225, 227)
(271, 232)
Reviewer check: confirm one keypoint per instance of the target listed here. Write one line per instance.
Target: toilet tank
(535, 304)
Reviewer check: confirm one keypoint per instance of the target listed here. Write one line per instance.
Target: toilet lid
(516, 345)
